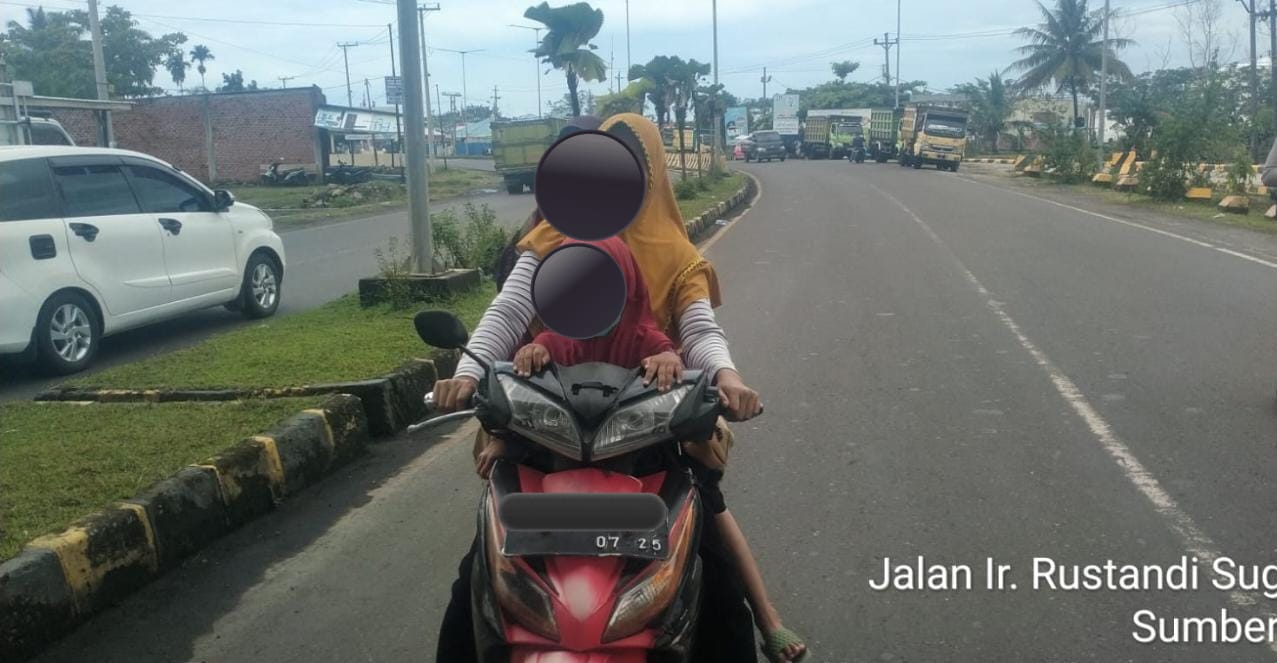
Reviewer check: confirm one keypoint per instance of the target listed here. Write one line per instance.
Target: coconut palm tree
(1066, 49)
(177, 65)
(991, 100)
(201, 54)
(566, 44)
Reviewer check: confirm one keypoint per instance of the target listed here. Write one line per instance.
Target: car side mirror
(222, 200)
(441, 329)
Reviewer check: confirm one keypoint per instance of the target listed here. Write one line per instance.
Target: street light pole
(1104, 87)
(713, 154)
(536, 63)
(418, 175)
(898, 53)
(465, 128)
(431, 148)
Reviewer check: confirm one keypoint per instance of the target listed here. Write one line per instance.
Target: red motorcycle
(589, 527)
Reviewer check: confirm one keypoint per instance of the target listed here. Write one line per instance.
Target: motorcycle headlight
(535, 416)
(638, 425)
(649, 595)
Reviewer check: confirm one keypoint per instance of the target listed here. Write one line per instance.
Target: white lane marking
(1132, 224)
(758, 195)
(1195, 541)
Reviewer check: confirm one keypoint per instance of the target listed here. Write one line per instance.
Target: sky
(945, 42)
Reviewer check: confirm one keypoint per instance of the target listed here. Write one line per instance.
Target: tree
(53, 53)
(628, 100)
(201, 54)
(844, 69)
(1066, 49)
(567, 46)
(177, 65)
(234, 82)
(991, 102)
(684, 79)
(658, 74)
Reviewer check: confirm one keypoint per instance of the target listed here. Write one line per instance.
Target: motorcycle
(344, 174)
(276, 177)
(857, 154)
(589, 527)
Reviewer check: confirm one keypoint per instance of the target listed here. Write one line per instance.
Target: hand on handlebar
(741, 402)
(454, 394)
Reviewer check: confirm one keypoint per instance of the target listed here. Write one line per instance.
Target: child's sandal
(775, 643)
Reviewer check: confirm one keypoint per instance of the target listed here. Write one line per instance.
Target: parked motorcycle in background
(275, 175)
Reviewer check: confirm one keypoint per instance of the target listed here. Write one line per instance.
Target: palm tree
(177, 65)
(684, 79)
(991, 101)
(566, 44)
(1066, 49)
(657, 74)
(201, 54)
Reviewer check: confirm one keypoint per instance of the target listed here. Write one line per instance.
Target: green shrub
(476, 243)
(1068, 155)
(395, 266)
(1239, 174)
(686, 189)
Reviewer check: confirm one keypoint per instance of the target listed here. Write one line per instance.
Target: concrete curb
(706, 220)
(61, 579)
(389, 402)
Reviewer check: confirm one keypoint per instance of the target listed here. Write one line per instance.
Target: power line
(204, 19)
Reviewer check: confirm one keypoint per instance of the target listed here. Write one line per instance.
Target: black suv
(764, 146)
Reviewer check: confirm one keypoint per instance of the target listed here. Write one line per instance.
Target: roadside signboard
(394, 90)
(785, 114)
(737, 120)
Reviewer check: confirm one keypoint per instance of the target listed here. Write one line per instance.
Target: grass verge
(336, 342)
(1201, 211)
(60, 461)
(720, 190)
(285, 202)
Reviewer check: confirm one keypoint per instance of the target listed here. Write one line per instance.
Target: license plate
(643, 545)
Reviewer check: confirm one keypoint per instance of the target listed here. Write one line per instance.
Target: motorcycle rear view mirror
(444, 330)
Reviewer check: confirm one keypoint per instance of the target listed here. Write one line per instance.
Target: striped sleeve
(504, 323)
(704, 343)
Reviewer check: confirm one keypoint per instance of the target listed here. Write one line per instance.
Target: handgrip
(172, 225)
(86, 230)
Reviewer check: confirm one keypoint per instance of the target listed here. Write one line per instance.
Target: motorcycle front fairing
(614, 592)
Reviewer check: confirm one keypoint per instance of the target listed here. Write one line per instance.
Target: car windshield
(767, 137)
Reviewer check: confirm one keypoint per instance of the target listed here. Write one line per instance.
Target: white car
(94, 241)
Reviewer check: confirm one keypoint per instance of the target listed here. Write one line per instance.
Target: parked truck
(842, 132)
(932, 135)
(883, 134)
(816, 137)
(517, 146)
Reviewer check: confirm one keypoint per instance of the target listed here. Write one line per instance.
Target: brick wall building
(223, 137)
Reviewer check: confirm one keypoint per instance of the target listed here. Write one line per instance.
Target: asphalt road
(952, 368)
(324, 262)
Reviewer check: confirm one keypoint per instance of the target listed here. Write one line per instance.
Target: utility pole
(886, 44)
(425, 68)
(439, 99)
(713, 153)
(10, 131)
(1272, 57)
(417, 171)
(283, 81)
(1254, 85)
(495, 99)
(464, 96)
(350, 97)
(765, 79)
(452, 102)
(898, 52)
(618, 82)
(367, 94)
(628, 63)
(1104, 75)
(535, 63)
(390, 29)
(107, 135)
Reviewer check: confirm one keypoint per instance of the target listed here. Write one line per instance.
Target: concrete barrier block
(1199, 193)
(104, 556)
(1235, 204)
(36, 605)
(251, 479)
(186, 513)
(305, 449)
(406, 386)
(347, 426)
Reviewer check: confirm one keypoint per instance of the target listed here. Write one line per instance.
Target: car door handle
(172, 225)
(86, 230)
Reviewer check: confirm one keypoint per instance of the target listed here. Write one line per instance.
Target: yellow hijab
(675, 272)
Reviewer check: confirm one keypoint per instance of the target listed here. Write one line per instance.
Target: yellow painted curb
(330, 442)
(274, 467)
(82, 575)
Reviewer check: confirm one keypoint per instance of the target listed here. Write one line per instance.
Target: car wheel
(67, 334)
(259, 295)
(514, 189)
(917, 165)
(954, 167)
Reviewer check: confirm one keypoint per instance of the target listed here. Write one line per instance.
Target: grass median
(337, 342)
(716, 191)
(284, 203)
(61, 461)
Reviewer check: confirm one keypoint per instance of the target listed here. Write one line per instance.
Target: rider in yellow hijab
(675, 273)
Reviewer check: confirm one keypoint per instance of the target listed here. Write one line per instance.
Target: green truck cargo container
(517, 146)
(884, 134)
(816, 137)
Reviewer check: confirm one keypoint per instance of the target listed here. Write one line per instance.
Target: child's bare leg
(766, 617)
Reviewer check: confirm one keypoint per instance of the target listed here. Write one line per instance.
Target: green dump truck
(883, 134)
(841, 133)
(517, 146)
